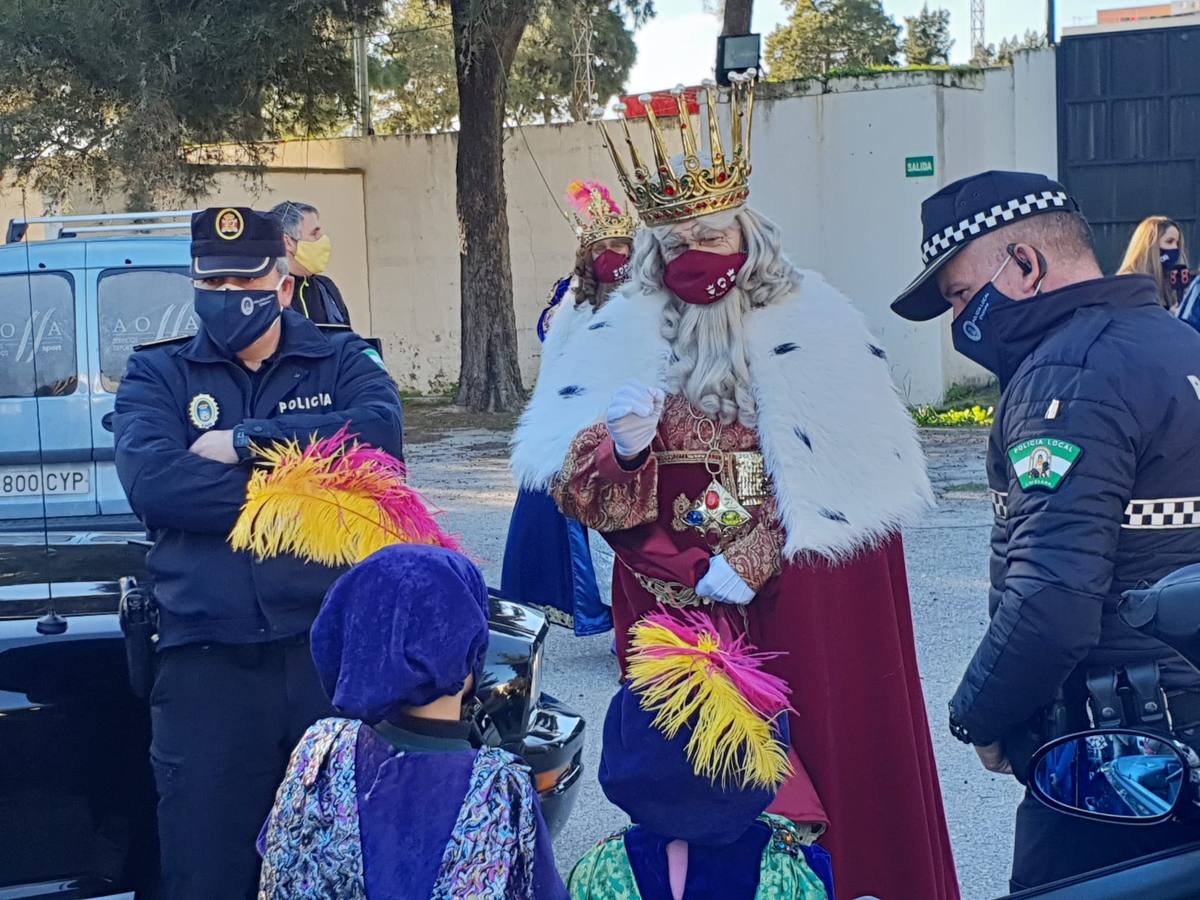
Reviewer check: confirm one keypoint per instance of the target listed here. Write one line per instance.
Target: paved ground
(460, 464)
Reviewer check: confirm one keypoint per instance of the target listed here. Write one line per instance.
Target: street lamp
(736, 53)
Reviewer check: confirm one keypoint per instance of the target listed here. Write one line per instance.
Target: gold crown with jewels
(661, 194)
(597, 214)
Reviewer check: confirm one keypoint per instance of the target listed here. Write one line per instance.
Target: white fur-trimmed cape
(840, 447)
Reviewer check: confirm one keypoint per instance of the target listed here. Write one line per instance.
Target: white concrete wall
(828, 167)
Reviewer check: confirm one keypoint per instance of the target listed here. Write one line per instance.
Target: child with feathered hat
(695, 749)
(391, 798)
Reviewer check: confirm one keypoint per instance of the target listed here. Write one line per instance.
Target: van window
(135, 306)
(37, 335)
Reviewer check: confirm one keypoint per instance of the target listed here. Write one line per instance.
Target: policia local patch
(1043, 462)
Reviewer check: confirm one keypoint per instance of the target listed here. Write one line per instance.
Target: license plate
(52, 480)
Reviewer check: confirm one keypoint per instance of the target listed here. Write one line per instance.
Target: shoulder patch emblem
(1043, 462)
(373, 355)
(203, 411)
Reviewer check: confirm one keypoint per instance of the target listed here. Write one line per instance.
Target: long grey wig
(709, 365)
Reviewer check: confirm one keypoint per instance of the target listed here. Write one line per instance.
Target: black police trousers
(1051, 845)
(225, 718)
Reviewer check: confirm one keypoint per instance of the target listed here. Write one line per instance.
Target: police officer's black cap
(965, 210)
(234, 242)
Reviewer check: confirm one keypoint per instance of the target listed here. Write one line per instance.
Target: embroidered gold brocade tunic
(597, 491)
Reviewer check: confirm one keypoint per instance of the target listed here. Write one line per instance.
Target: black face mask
(1170, 258)
(235, 319)
(979, 332)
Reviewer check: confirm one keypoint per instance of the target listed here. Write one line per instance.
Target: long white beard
(708, 366)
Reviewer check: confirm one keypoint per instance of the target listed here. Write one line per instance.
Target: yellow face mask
(314, 255)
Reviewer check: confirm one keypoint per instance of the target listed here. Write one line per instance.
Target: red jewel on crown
(712, 500)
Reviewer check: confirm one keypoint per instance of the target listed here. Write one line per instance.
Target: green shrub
(969, 417)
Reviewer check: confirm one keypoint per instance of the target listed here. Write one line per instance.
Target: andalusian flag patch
(1043, 462)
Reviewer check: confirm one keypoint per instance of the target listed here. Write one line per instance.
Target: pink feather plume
(767, 694)
(370, 471)
(579, 195)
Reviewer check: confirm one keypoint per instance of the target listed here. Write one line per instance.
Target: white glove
(723, 584)
(632, 417)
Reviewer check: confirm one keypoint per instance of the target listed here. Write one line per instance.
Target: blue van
(71, 311)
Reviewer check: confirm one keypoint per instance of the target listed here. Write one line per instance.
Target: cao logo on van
(203, 411)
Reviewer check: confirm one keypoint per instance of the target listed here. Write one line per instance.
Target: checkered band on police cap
(993, 217)
(965, 210)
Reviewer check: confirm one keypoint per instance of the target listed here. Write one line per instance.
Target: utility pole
(1050, 23)
(583, 94)
(978, 39)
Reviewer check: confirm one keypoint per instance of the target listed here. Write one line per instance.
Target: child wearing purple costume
(393, 801)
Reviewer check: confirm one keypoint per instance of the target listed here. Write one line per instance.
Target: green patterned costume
(604, 873)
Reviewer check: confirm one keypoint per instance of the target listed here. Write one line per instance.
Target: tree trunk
(737, 16)
(486, 35)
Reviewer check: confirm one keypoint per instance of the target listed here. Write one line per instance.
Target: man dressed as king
(730, 426)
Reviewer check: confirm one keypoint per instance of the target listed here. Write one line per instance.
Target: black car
(77, 802)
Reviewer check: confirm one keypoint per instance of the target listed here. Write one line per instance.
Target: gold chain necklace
(716, 510)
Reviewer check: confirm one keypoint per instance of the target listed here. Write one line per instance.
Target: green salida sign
(918, 166)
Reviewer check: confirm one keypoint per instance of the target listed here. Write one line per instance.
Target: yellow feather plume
(332, 503)
(682, 673)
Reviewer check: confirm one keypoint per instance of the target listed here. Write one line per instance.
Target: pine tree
(927, 39)
(822, 35)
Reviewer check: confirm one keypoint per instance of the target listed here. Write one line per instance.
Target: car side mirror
(1112, 775)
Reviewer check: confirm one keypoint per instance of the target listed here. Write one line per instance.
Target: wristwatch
(959, 730)
(241, 443)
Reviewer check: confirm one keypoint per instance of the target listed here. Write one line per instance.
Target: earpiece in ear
(1023, 264)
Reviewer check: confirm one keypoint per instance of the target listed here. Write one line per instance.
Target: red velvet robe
(859, 726)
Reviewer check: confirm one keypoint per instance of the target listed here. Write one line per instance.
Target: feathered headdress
(597, 214)
(684, 673)
(335, 502)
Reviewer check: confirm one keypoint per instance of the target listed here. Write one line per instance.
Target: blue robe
(547, 560)
(548, 565)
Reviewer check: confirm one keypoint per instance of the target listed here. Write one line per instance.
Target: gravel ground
(460, 463)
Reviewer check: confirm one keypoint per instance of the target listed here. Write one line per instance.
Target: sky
(679, 45)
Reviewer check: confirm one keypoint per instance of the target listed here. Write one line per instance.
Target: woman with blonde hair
(1156, 249)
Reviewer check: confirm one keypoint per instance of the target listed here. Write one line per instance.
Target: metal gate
(1129, 131)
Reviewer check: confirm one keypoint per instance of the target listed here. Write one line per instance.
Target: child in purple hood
(393, 801)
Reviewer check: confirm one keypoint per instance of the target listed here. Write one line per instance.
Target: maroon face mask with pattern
(701, 278)
(611, 267)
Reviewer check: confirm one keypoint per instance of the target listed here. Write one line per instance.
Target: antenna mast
(978, 41)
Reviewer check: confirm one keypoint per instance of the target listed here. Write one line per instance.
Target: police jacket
(317, 382)
(1094, 467)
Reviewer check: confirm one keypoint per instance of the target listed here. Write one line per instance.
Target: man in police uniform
(1094, 467)
(236, 686)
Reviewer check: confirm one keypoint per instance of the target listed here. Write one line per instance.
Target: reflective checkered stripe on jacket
(1176, 512)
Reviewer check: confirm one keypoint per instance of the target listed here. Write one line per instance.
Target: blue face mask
(1170, 258)
(978, 333)
(234, 319)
